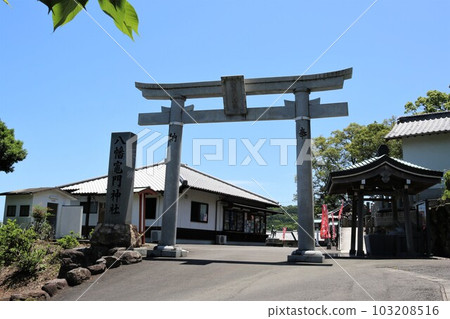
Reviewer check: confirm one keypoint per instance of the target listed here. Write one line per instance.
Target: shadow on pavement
(204, 262)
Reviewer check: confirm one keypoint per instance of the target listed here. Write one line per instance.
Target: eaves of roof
(418, 125)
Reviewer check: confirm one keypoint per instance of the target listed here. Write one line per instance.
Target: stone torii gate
(233, 90)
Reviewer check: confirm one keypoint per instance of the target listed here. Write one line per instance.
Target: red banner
(333, 226)
(324, 228)
(340, 210)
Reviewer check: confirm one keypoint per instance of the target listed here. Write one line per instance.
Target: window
(199, 212)
(93, 209)
(150, 208)
(248, 222)
(24, 211)
(11, 211)
(233, 220)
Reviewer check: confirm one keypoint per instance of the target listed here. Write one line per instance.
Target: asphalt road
(248, 273)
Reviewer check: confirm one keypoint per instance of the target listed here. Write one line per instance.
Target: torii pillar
(173, 162)
(233, 90)
(305, 197)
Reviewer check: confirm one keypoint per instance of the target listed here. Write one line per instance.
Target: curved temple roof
(383, 174)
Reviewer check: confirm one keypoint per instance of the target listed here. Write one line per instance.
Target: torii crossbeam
(233, 90)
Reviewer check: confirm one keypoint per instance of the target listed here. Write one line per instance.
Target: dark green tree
(121, 11)
(435, 101)
(11, 150)
(287, 217)
(446, 194)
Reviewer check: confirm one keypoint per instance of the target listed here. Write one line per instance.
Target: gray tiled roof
(28, 191)
(376, 158)
(423, 124)
(361, 164)
(153, 177)
(372, 169)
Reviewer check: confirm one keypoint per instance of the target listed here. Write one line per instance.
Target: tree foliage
(121, 11)
(435, 101)
(353, 144)
(446, 194)
(287, 217)
(11, 150)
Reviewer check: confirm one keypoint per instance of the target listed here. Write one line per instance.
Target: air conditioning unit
(221, 239)
(155, 236)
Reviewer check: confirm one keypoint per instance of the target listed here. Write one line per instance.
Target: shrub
(40, 213)
(32, 261)
(15, 242)
(446, 194)
(91, 233)
(17, 247)
(69, 241)
(41, 226)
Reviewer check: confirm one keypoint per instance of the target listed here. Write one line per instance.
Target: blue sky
(64, 92)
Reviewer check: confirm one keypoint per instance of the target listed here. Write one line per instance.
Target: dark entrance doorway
(52, 208)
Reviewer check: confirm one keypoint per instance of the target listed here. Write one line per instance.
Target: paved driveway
(222, 273)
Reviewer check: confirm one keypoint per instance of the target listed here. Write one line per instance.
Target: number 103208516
(405, 310)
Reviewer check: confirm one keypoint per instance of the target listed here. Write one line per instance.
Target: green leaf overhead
(64, 11)
(123, 14)
(121, 11)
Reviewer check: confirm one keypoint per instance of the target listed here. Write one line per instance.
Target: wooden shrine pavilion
(384, 178)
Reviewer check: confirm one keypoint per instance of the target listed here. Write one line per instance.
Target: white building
(425, 142)
(19, 205)
(207, 207)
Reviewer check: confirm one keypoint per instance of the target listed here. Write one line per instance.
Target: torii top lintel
(272, 85)
(234, 89)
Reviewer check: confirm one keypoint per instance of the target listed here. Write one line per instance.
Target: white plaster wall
(93, 218)
(18, 200)
(42, 198)
(184, 210)
(135, 210)
(71, 220)
(430, 151)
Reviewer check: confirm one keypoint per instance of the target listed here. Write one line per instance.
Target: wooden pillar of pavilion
(408, 226)
(353, 232)
(360, 207)
(394, 209)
